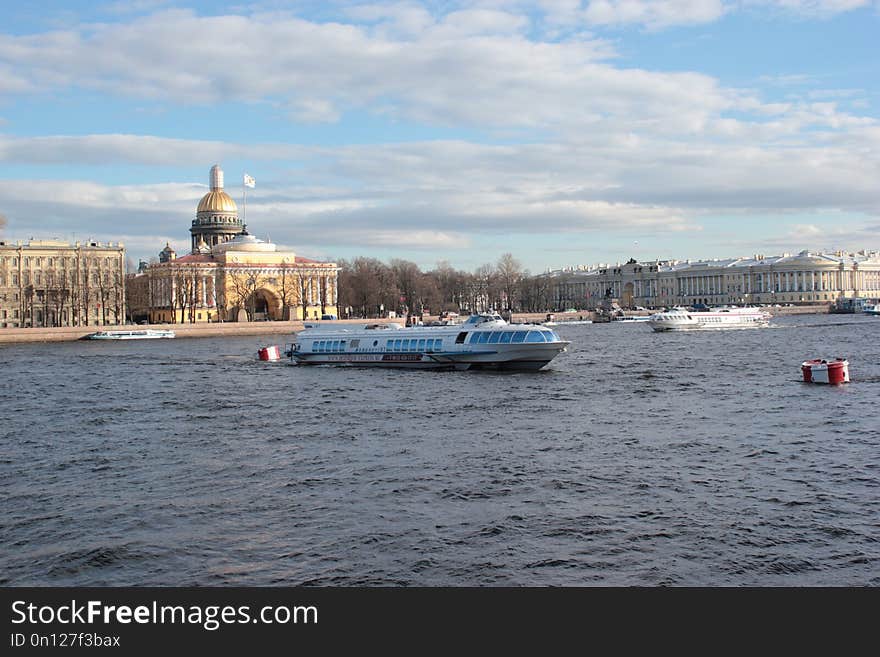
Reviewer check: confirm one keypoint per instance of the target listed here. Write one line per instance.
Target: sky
(563, 132)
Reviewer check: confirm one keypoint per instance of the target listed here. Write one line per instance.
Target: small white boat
(146, 334)
(872, 310)
(679, 319)
(482, 342)
(631, 319)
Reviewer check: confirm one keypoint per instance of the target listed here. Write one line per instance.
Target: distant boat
(632, 319)
(722, 318)
(872, 310)
(849, 305)
(146, 334)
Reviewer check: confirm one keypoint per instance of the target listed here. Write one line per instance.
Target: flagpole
(244, 203)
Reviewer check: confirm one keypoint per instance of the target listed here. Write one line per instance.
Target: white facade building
(804, 278)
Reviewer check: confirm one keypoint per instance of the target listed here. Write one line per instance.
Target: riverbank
(71, 333)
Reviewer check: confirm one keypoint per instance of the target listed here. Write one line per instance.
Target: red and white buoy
(826, 371)
(269, 353)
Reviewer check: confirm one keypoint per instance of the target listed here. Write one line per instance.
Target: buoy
(269, 353)
(826, 371)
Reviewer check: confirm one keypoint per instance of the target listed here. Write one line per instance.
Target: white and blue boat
(484, 341)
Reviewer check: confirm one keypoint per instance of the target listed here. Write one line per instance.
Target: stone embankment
(67, 334)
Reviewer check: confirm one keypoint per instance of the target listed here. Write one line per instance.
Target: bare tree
(367, 286)
(137, 295)
(104, 293)
(28, 308)
(406, 276)
(287, 288)
(451, 284)
(483, 288)
(509, 275)
(241, 289)
(303, 283)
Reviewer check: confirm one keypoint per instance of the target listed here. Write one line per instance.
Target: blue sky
(561, 131)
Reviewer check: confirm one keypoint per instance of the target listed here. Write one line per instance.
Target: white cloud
(134, 149)
(812, 8)
(656, 14)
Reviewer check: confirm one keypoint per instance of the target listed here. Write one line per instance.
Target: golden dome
(217, 201)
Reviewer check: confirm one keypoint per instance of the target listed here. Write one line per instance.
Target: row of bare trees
(67, 299)
(370, 288)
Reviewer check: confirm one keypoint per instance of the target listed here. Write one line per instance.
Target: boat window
(519, 336)
(397, 344)
(493, 337)
(389, 344)
(505, 337)
(421, 344)
(460, 338)
(535, 336)
(550, 336)
(355, 343)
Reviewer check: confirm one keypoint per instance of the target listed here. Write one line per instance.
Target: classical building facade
(804, 278)
(55, 283)
(229, 275)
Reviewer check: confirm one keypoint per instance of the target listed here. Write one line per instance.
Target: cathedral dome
(217, 201)
(216, 217)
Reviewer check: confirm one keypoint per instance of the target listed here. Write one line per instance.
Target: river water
(635, 458)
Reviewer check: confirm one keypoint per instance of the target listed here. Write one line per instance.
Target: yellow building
(232, 276)
(54, 283)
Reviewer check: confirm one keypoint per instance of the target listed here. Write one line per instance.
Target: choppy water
(635, 459)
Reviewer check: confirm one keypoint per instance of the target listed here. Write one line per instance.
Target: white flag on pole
(249, 182)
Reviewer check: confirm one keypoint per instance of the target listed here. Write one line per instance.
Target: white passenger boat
(146, 334)
(872, 310)
(482, 342)
(679, 319)
(631, 319)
